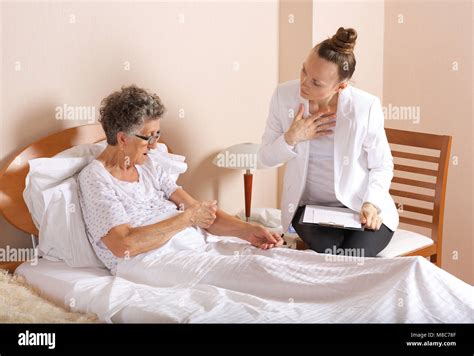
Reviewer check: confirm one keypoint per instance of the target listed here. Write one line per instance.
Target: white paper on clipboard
(337, 217)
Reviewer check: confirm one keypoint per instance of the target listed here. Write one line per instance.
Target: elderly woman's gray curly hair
(126, 110)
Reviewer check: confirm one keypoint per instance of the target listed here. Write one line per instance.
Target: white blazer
(363, 163)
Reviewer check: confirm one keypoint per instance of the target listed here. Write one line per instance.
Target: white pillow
(46, 173)
(51, 195)
(172, 164)
(62, 234)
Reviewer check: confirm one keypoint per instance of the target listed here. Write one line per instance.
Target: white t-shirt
(319, 189)
(107, 202)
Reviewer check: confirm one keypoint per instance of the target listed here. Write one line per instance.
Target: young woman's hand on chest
(311, 127)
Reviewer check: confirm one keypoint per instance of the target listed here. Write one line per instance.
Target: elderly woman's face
(135, 148)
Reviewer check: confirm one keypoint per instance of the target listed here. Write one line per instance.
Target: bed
(230, 281)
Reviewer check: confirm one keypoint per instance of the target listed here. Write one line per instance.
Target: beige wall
(221, 64)
(422, 40)
(295, 42)
(367, 18)
(216, 61)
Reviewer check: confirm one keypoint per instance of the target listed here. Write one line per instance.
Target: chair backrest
(428, 188)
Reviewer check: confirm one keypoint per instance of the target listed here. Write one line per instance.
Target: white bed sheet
(54, 280)
(292, 286)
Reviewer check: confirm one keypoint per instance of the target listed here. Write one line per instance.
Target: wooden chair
(407, 142)
(408, 242)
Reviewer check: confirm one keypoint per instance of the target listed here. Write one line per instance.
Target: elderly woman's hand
(202, 214)
(369, 217)
(260, 237)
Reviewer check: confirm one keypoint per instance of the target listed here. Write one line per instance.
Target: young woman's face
(319, 78)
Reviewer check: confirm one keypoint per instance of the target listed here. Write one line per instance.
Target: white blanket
(227, 281)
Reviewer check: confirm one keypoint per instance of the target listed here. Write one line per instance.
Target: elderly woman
(121, 190)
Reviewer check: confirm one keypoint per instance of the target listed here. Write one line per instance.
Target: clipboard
(329, 223)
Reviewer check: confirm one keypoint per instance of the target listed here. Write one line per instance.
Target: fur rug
(19, 303)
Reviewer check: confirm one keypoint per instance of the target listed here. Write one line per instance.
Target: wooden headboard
(14, 171)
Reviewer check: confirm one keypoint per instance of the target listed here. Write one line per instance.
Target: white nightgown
(107, 202)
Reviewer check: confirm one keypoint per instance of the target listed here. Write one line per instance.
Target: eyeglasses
(151, 139)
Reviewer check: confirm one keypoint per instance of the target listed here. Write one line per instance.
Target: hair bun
(344, 40)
